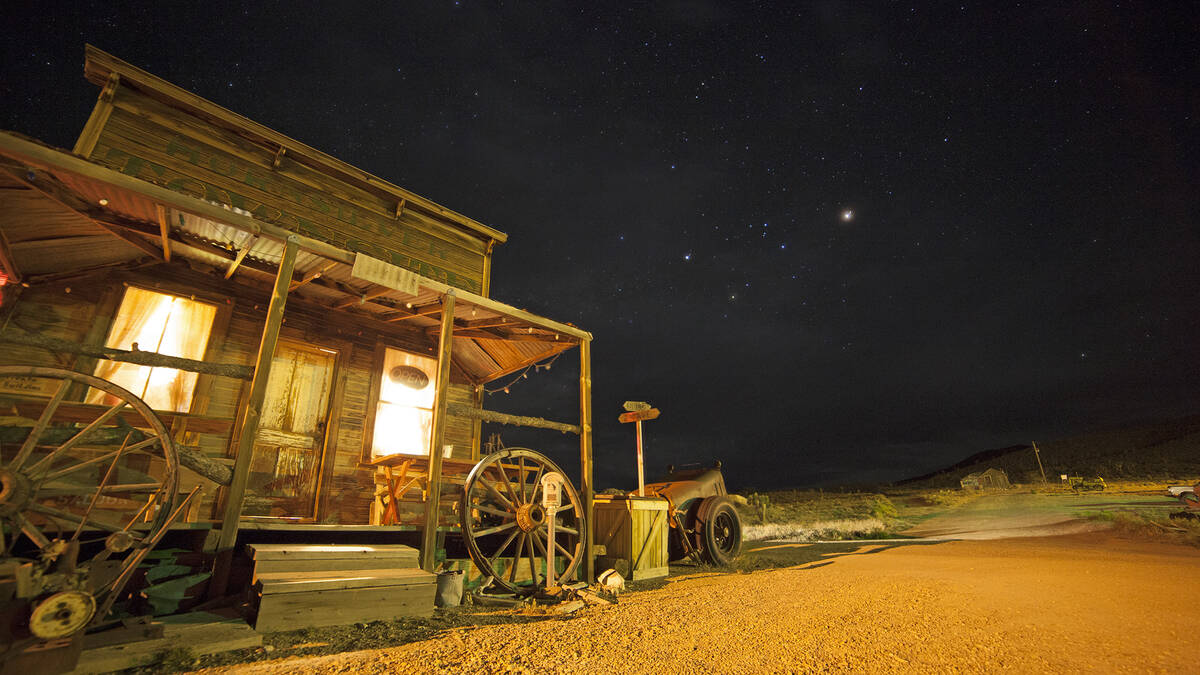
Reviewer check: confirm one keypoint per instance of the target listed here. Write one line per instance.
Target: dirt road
(1084, 602)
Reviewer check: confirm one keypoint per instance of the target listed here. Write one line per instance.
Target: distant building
(992, 479)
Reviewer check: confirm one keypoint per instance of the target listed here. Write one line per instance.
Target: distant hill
(1153, 451)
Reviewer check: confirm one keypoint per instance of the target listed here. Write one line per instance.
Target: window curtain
(156, 322)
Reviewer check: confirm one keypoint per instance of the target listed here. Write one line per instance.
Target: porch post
(236, 492)
(434, 493)
(585, 454)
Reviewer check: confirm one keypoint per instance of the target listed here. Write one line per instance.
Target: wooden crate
(634, 529)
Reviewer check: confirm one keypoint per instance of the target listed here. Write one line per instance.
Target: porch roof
(62, 216)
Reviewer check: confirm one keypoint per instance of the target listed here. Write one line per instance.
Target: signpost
(637, 412)
(551, 499)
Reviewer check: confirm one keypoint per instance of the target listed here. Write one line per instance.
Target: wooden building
(991, 479)
(338, 329)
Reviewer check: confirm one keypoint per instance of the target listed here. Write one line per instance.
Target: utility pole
(1038, 454)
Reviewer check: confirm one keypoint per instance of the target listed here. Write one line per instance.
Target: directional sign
(639, 415)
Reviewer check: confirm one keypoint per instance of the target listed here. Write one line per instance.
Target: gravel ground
(1085, 602)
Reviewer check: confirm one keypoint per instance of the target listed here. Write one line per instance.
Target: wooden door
(285, 469)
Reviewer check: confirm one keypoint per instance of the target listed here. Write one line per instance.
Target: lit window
(166, 324)
(404, 418)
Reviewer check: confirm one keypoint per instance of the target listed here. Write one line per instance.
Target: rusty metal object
(62, 614)
(705, 523)
(66, 480)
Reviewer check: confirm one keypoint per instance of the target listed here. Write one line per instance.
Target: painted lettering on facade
(376, 236)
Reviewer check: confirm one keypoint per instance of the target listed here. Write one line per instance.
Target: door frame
(324, 471)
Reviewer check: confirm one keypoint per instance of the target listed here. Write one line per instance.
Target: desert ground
(1015, 583)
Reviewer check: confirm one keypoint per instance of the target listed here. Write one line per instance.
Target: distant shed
(991, 479)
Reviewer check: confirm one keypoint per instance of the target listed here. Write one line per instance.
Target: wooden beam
(434, 485)
(460, 410)
(505, 337)
(241, 255)
(236, 493)
(498, 322)
(164, 231)
(313, 275)
(369, 295)
(420, 311)
(153, 359)
(525, 363)
(90, 135)
(86, 412)
(7, 261)
(131, 238)
(585, 455)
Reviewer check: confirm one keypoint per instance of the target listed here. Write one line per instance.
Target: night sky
(832, 242)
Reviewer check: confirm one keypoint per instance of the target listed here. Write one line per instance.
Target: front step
(305, 585)
(272, 558)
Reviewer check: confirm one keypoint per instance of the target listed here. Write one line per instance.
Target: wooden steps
(300, 586)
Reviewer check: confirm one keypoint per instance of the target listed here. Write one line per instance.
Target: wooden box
(634, 529)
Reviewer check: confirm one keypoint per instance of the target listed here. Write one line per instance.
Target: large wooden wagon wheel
(502, 517)
(87, 482)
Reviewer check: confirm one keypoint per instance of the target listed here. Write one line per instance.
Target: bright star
(847, 215)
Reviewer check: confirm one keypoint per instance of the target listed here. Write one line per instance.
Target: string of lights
(545, 365)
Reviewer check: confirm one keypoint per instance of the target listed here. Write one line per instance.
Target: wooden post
(1038, 454)
(585, 455)
(236, 492)
(434, 492)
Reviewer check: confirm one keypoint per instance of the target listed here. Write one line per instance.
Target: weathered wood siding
(348, 485)
(150, 140)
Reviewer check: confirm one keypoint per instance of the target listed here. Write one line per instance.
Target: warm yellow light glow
(166, 324)
(404, 418)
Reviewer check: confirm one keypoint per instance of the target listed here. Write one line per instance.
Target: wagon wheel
(84, 483)
(502, 515)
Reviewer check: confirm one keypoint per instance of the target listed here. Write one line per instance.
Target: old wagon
(198, 307)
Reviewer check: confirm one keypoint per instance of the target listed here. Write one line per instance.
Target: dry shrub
(849, 528)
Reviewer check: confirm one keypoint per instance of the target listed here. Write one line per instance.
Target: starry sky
(834, 242)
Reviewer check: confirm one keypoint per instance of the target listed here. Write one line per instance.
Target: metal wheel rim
(725, 531)
(36, 474)
(485, 482)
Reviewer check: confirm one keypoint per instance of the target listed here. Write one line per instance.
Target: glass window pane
(404, 418)
(162, 323)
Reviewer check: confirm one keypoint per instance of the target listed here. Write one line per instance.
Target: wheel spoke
(512, 571)
(496, 493)
(533, 573)
(538, 535)
(45, 462)
(569, 507)
(88, 489)
(496, 529)
(36, 432)
(67, 515)
(136, 447)
(507, 485)
(564, 551)
(496, 556)
(565, 530)
(537, 481)
(30, 530)
(521, 462)
(494, 512)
